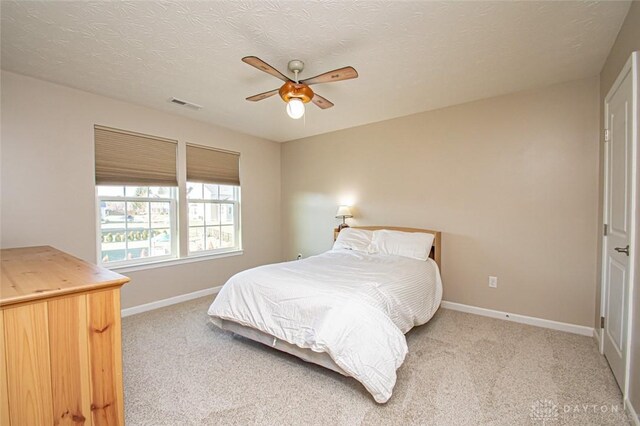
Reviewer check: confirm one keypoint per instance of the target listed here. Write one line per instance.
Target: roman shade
(209, 165)
(127, 158)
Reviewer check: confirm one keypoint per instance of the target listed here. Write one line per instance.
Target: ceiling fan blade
(254, 61)
(261, 96)
(340, 74)
(321, 102)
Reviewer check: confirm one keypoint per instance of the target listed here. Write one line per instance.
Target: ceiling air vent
(185, 103)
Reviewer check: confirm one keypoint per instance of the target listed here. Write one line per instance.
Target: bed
(346, 309)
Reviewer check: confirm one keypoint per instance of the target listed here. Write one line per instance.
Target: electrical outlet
(493, 282)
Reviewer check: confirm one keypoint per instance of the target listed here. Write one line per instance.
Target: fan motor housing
(295, 90)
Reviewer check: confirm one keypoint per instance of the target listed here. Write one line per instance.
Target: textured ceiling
(411, 56)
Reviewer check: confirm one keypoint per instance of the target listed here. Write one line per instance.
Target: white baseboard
(523, 319)
(596, 335)
(632, 412)
(170, 301)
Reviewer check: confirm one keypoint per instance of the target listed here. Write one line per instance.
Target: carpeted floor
(461, 369)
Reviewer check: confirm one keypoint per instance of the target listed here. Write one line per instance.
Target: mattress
(352, 306)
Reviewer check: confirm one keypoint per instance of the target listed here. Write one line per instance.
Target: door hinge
(606, 135)
(606, 229)
(601, 322)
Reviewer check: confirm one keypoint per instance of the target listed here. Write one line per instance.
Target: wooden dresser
(60, 346)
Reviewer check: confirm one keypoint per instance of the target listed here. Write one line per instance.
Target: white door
(619, 134)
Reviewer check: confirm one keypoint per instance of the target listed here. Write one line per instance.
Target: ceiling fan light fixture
(296, 92)
(295, 108)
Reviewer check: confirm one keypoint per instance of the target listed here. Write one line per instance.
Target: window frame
(173, 225)
(236, 222)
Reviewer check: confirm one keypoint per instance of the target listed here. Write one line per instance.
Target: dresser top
(33, 273)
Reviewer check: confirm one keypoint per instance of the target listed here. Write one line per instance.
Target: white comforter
(354, 306)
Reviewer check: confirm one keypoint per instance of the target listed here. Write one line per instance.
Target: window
(213, 217)
(147, 214)
(136, 224)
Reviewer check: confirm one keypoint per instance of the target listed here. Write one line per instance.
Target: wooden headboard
(437, 237)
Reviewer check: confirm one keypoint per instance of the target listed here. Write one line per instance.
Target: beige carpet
(461, 369)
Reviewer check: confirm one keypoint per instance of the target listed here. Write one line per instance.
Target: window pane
(110, 191)
(137, 214)
(226, 213)
(196, 214)
(226, 192)
(213, 237)
(210, 191)
(113, 247)
(227, 236)
(112, 214)
(137, 244)
(160, 215)
(160, 242)
(196, 239)
(159, 192)
(136, 191)
(194, 191)
(212, 211)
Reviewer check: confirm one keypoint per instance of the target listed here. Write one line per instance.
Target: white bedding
(354, 306)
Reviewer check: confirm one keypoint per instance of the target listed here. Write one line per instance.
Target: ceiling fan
(297, 93)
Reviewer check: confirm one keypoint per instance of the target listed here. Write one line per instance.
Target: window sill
(172, 262)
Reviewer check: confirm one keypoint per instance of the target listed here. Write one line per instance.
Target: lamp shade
(344, 211)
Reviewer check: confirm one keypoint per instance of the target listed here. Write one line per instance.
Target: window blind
(209, 165)
(127, 158)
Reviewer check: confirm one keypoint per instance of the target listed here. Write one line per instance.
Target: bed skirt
(320, 358)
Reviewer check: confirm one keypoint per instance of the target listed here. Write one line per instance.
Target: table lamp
(343, 212)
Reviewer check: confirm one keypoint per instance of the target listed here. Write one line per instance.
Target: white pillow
(354, 239)
(416, 245)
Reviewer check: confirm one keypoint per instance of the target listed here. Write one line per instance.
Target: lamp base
(342, 226)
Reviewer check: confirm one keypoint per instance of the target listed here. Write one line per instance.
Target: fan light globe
(295, 108)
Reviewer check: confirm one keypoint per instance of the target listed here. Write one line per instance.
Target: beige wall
(628, 40)
(511, 181)
(48, 178)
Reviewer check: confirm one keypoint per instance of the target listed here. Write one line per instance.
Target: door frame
(631, 66)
